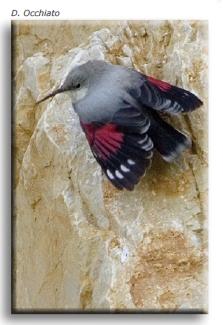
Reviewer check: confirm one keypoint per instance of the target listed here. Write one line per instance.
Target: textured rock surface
(80, 243)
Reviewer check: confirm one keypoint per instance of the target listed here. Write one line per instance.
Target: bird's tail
(168, 141)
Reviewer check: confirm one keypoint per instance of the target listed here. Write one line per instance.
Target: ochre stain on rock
(86, 294)
(167, 265)
(165, 183)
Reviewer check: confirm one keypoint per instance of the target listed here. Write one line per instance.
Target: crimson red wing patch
(104, 140)
(162, 85)
(123, 156)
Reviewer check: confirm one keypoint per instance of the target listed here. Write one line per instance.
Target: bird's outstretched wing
(165, 97)
(122, 146)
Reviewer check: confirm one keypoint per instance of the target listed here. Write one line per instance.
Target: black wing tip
(124, 186)
(129, 179)
(199, 103)
(194, 102)
(126, 183)
(188, 100)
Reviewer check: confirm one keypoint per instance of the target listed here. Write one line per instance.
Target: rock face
(80, 244)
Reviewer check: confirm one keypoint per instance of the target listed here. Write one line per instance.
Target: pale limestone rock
(79, 242)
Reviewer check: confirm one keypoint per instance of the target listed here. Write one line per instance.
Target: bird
(121, 112)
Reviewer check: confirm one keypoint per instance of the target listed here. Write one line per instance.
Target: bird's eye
(78, 86)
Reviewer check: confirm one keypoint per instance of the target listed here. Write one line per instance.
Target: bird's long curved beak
(55, 92)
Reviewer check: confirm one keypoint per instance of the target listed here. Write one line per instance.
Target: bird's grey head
(78, 81)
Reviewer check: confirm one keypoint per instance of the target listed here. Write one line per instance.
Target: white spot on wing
(124, 168)
(131, 162)
(109, 173)
(118, 174)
